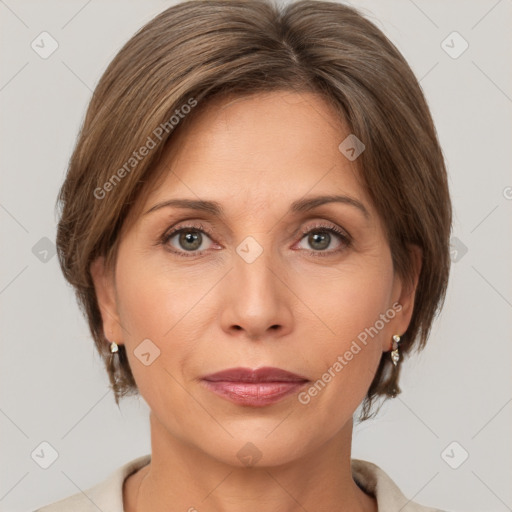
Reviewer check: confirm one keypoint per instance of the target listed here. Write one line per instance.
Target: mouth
(254, 388)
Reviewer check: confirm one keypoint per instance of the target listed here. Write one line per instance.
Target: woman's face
(247, 288)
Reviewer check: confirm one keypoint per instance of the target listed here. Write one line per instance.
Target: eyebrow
(299, 206)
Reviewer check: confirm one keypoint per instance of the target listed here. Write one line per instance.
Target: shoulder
(375, 481)
(106, 495)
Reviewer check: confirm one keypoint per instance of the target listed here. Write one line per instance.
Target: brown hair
(201, 49)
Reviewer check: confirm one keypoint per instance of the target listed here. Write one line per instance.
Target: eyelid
(328, 225)
(346, 238)
(185, 225)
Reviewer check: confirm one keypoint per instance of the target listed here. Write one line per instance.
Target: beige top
(108, 495)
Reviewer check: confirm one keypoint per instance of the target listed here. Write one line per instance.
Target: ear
(405, 293)
(104, 286)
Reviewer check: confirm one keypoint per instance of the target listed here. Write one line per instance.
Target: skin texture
(288, 309)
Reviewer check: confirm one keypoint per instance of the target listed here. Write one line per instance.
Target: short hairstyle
(198, 50)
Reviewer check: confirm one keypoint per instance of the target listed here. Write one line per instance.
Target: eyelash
(330, 228)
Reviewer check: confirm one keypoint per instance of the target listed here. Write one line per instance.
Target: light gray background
(53, 386)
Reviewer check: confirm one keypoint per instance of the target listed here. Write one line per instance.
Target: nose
(257, 301)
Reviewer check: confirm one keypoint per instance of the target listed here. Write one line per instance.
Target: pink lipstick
(254, 388)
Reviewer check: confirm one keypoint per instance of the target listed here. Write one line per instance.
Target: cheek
(150, 306)
(153, 297)
(166, 305)
(159, 307)
(350, 335)
(347, 302)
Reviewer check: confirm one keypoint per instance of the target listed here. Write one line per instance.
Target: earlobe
(408, 290)
(104, 287)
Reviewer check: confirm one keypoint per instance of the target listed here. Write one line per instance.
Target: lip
(264, 374)
(254, 388)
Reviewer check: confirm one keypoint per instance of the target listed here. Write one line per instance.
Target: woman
(256, 220)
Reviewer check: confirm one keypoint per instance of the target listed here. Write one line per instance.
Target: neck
(182, 477)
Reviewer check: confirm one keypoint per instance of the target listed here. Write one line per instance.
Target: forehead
(259, 150)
